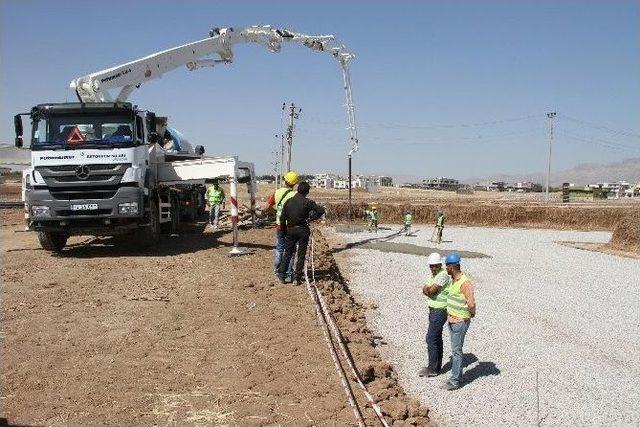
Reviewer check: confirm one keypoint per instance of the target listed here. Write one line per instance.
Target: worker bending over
(295, 217)
(215, 197)
(461, 307)
(408, 220)
(436, 291)
(276, 201)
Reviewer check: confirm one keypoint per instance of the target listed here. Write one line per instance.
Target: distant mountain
(586, 173)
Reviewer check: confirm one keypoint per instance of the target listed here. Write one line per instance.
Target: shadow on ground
(482, 369)
(191, 239)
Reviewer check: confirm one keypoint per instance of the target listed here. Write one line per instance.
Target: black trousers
(437, 319)
(298, 235)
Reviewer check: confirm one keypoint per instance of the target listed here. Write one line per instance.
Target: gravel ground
(544, 310)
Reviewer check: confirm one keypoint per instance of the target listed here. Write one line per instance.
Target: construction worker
(372, 216)
(461, 307)
(408, 220)
(436, 292)
(276, 201)
(215, 197)
(440, 225)
(296, 214)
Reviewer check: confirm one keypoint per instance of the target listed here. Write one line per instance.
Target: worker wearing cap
(436, 292)
(215, 197)
(461, 307)
(276, 201)
(408, 220)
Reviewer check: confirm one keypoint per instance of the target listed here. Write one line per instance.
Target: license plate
(85, 207)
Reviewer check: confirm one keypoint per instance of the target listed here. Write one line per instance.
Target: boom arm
(95, 87)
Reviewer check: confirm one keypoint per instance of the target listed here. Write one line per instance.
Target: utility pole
(293, 115)
(550, 116)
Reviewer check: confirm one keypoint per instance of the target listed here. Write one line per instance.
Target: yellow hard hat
(291, 178)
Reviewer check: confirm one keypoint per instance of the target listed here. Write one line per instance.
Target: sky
(441, 88)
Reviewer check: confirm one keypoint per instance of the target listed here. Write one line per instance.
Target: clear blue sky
(441, 88)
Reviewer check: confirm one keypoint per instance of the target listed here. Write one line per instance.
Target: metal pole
(233, 189)
(550, 116)
(290, 135)
(349, 211)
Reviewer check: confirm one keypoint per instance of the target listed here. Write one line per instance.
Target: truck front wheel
(52, 241)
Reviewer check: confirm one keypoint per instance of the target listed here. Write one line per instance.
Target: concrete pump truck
(103, 166)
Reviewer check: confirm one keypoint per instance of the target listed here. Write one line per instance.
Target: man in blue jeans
(276, 201)
(436, 292)
(461, 307)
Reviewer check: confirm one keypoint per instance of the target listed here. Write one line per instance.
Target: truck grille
(83, 193)
(61, 178)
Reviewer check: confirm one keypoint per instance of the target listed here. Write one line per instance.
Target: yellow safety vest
(281, 196)
(439, 300)
(456, 301)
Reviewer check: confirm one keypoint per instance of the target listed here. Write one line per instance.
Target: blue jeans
(279, 253)
(437, 319)
(457, 331)
(214, 214)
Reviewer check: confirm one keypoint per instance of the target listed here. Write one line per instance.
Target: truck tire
(173, 225)
(150, 235)
(52, 241)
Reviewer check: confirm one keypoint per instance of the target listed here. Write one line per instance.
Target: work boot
(427, 372)
(281, 278)
(450, 386)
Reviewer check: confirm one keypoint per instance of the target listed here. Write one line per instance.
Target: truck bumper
(106, 219)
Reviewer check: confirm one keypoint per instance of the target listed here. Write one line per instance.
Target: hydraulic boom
(95, 87)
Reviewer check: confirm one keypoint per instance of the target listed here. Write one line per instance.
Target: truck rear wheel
(52, 241)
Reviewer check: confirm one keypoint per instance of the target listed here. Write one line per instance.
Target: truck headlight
(40, 211)
(128, 208)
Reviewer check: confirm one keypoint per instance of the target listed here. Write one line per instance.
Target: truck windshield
(83, 131)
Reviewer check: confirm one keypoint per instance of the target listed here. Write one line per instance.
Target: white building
(323, 180)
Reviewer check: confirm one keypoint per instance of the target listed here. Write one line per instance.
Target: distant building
(323, 180)
(441, 183)
(340, 183)
(497, 186)
(383, 181)
(526, 187)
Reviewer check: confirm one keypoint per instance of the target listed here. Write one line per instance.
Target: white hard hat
(434, 259)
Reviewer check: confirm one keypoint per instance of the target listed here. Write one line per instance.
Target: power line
(426, 127)
(601, 127)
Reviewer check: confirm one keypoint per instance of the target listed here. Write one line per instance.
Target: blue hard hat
(452, 258)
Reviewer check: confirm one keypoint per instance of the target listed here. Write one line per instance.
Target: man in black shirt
(296, 213)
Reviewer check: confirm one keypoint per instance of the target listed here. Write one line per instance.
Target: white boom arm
(95, 87)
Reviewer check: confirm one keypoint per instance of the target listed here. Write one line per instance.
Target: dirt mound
(626, 235)
(495, 214)
(379, 376)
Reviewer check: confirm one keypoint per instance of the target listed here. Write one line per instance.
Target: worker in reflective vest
(436, 291)
(408, 220)
(276, 201)
(215, 197)
(440, 225)
(461, 307)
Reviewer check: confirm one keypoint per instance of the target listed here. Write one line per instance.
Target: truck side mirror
(17, 123)
(199, 150)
